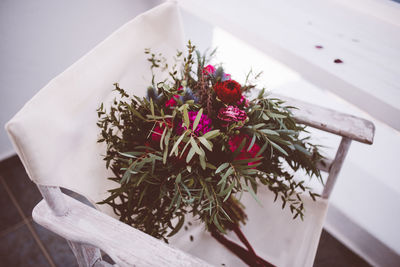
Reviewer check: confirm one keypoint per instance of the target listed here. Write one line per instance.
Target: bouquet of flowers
(194, 143)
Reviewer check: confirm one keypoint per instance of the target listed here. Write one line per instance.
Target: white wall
(41, 38)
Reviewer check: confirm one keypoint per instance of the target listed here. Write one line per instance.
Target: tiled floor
(25, 243)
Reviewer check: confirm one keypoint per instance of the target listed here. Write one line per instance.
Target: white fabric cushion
(55, 136)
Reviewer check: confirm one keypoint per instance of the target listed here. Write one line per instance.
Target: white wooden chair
(55, 136)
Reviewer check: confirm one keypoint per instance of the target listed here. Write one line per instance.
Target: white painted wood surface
(289, 31)
(127, 246)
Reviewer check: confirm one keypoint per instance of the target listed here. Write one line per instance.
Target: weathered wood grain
(329, 120)
(127, 246)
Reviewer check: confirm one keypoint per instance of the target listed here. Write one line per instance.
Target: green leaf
(275, 115)
(228, 172)
(216, 223)
(222, 167)
(197, 119)
(162, 138)
(165, 155)
(228, 191)
(142, 178)
(131, 154)
(303, 150)
(177, 143)
(262, 149)
(186, 120)
(206, 143)
(269, 132)
(178, 226)
(210, 166)
(211, 134)
(195, 146)
(167, 136)
(125, 177)
(152, 107)
(279, 148)
(203, 163)
(178, 178)
(190, 155)
(253, 140)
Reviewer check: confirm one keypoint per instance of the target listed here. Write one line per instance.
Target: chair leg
(86, 255)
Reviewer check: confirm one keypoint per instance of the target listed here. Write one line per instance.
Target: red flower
(228, 91)
(235, 142)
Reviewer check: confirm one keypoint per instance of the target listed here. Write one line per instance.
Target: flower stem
(244, 240)
(246, 256)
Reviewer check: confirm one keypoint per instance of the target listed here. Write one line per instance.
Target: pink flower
(235, 142)
(231, 114)
(203, 127)
(172, 101)
(209, 70)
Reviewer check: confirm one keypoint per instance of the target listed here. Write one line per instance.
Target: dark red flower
(228, 91)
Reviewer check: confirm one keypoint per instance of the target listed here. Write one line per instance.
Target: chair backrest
(55, 133)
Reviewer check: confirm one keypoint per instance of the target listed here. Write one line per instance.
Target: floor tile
(24, 190)
(18, 248)
(332, 253)
(9, 215)
(56, 246)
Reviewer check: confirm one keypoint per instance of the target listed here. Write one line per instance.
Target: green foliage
(163, 174)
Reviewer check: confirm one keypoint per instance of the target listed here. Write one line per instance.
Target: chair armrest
(332, 121)
(126, 245)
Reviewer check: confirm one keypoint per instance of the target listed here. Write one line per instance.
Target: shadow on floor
(25, 243)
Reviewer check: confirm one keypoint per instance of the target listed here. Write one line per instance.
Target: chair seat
(272, 232)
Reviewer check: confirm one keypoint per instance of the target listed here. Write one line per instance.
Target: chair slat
(332, 121)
